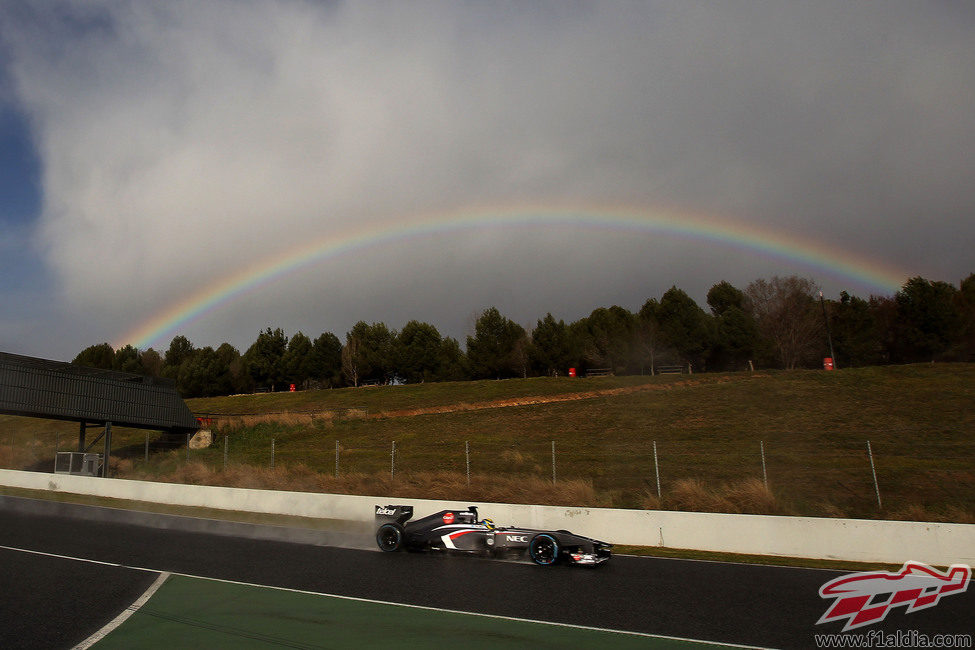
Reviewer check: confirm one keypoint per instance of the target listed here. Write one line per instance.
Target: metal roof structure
(62, 391)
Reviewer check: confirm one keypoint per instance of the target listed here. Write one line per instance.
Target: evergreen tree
(96, 356)
(298, 360)
(326, 360)
(265, 358)
(856, 337)
(128, 359)
(685, 326)
(551, 349)
(607, 338)
(370, 352)
(180, 350)
(453, 362)
(419, 353)
(233, 376)
(493, 351)
(724, 296)
(965, 349)
(883, 311)
(198, 374)
(735, 331)
(928, 320)
(736, 339)
(152, 363)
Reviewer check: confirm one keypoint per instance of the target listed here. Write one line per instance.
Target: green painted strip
(195, 612)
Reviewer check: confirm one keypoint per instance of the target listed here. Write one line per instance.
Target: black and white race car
(460, 531)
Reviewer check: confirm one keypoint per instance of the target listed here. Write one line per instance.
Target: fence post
(336, 459)
(108, 449)
(467, 458)
(553, 462)
(392, 460)
(764, 473)
(873, 470)
(656, 469)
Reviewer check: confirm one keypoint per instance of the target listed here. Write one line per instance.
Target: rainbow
(714, 230)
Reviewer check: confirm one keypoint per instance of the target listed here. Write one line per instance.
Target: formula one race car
(460, 531)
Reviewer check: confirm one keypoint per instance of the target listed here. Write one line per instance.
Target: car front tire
(543, 549)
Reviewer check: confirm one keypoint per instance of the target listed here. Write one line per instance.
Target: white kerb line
(126, 613)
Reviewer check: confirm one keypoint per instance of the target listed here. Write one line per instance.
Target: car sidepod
(448, 530)
(470, 538)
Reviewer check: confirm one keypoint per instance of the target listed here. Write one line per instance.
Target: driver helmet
(489, 523)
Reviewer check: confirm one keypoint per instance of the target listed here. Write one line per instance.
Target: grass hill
(710, 431)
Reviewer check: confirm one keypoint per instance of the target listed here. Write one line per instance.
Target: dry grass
(831, 510)
(916, 512)
(443, 485)
(748, 496)
(11, 456)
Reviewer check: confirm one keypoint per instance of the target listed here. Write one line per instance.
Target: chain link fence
(841, 475)
(830, 474)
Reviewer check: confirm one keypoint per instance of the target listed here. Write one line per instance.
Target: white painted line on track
(381, 602)
(758, 565)
(732, 562)
(124, 616)
(68, 557)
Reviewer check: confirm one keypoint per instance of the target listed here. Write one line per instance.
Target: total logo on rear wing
(397, 513)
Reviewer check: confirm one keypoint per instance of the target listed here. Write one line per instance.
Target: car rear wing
(398, 514)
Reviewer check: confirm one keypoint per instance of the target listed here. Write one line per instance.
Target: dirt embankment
(293, 417)
(529, 400)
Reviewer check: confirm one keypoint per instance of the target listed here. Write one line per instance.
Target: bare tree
(350, 360)
(785, 310)
(520, 354)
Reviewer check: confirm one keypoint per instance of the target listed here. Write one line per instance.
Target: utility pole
(829, 338)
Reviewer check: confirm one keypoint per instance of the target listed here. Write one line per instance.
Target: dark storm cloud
(180, 142)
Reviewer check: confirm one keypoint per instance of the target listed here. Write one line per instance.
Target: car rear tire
(390, 537)
(543, 549)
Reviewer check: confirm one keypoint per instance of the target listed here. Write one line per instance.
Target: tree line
(772, 323)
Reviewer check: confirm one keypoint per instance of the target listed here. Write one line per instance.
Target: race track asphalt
(52, 602)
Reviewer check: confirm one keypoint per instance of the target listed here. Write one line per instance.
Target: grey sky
(179, 143)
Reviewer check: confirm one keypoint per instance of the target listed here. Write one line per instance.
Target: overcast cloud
(179, 142)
